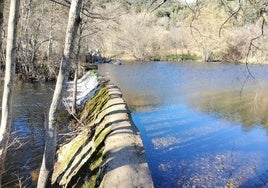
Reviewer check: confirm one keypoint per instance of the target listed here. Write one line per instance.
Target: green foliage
(176, 8)
(94, 105)
(181, 57)
(172, 10)
(163, 13)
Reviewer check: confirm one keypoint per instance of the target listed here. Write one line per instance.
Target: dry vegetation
(222, 30)
(205, 30)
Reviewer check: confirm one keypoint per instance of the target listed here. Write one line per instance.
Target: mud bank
(107, 151)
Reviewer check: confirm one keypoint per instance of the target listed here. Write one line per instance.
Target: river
(30, 104)
(202, 124)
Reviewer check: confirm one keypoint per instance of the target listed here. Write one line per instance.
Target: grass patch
(180, 57)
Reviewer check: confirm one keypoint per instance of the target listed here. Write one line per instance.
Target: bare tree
(51, 132)
(8, 85)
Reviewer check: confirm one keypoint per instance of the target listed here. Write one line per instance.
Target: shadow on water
(200, 151)
(201, 124)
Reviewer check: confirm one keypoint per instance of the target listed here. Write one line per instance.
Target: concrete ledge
(107, 151)
(124, 164)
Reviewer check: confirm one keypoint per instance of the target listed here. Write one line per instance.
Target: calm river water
(30, 103)
(202, 125)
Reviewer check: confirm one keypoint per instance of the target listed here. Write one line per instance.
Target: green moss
(66, 154)
(182, 57)
(96, 158)
(87, 155)
(94, 106)
(94, 167)
(100, 137)
(89, 145)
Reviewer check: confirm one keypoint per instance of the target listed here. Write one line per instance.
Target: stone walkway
(125, 163)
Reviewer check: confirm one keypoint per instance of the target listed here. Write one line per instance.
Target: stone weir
(107, 151)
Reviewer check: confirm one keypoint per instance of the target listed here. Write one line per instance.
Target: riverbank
(107, 151)
(188, 57)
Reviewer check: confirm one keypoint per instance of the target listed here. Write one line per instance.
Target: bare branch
(68, 109)
(93, 15)
(16, 143)
(232, 15)
(243, 85)
(251, 44)
(192, 21)
(225, 4)
(159, 5)
(60, 3)
(84, 11)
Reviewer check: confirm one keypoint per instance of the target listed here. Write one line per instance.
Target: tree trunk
(75, 88)
(51, 132)
(1, 28)
(34, 40)
(51, 30)
(8, 85)
(76, 69)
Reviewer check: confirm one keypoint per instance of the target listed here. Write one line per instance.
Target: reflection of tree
(249, 109)
(142, 102)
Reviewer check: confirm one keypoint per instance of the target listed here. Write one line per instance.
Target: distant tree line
(220, 30)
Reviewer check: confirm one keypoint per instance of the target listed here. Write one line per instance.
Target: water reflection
(187, 148)
(205, 126)
(250, 109)
(143, 102)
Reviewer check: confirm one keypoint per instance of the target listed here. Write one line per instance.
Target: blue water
(202, 125)
(186, 147)
(30, 102)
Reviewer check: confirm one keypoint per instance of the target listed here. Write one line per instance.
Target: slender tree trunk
(75, 88)
(1, 28)
(34, 40)
(51, 132)
(27, 37)
(8, 85)
(51, 30)
(76, 68)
